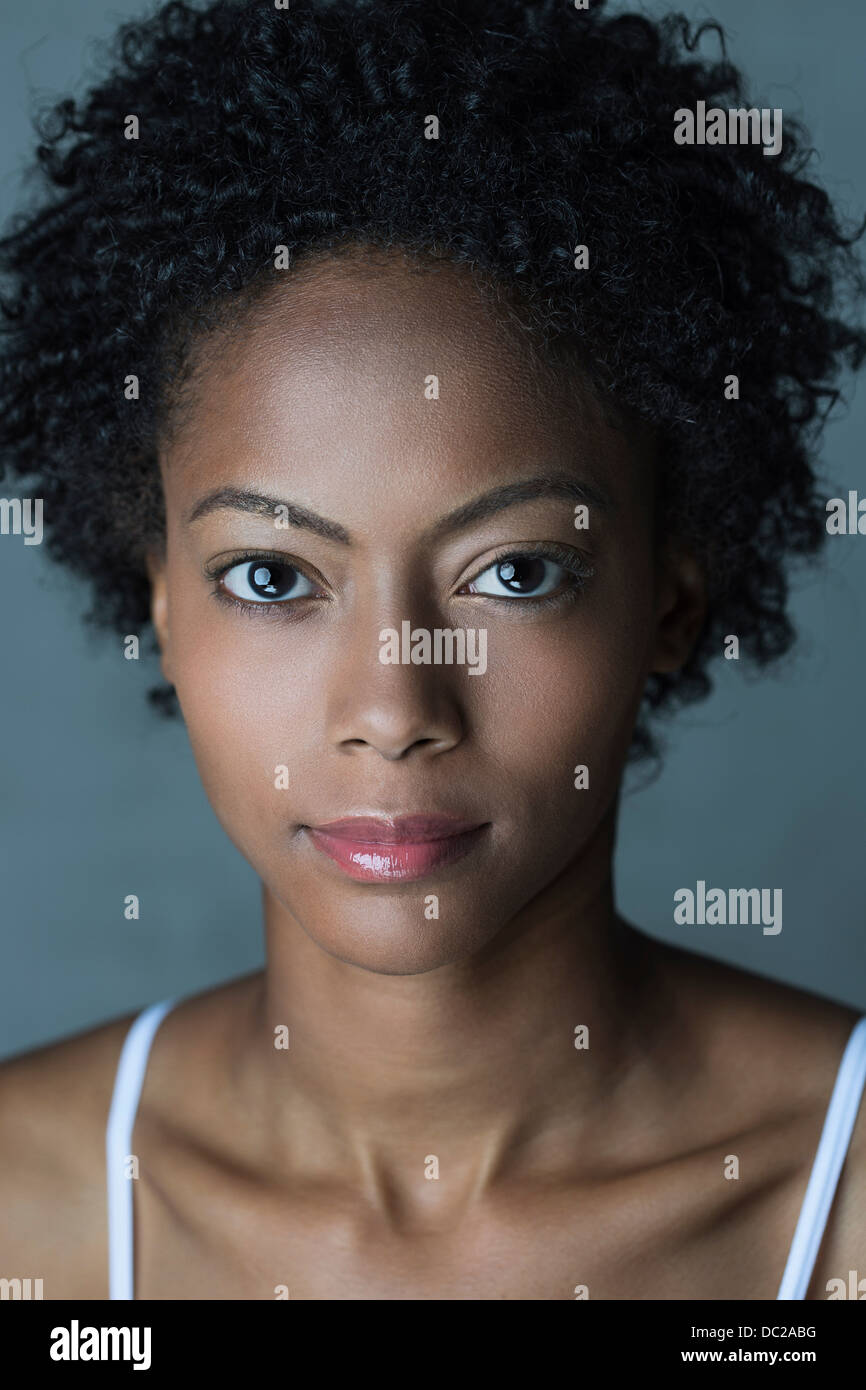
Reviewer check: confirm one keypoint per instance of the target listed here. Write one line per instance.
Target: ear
(681, 607)
(159, 610)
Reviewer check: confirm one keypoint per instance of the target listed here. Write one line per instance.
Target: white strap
(128, 1081)
(832, 1149)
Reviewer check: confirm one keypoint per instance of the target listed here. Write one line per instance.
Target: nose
(393, 708)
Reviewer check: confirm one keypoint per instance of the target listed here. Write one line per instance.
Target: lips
(398, 849)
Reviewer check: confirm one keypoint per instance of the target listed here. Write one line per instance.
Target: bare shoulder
(54, 1103)
(780, 1047)
(54, 1106)
(840, 1270)
(751, 1018)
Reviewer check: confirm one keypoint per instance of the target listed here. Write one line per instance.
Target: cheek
(567, 691)
(251, 693)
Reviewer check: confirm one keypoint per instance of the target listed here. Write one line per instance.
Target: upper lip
(397, 830)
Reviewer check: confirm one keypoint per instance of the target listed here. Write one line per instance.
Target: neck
(476, 1062)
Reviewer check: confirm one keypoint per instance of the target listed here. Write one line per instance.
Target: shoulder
(840, 1269)
(54, 1107)
(778, 1049)
(54, 1104)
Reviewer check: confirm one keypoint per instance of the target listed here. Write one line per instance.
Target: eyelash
(263, 557)
(570, 561)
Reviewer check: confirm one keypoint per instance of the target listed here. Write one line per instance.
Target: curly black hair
(303, 127)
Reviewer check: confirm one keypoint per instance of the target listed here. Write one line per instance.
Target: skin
(414, 1036)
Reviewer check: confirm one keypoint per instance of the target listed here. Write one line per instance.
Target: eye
(267, 581)
(520, 576)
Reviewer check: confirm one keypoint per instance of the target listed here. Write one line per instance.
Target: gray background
(762, 786)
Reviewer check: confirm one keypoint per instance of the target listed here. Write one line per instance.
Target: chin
(395, 938)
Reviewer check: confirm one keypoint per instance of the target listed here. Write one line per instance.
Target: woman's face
(430, 476)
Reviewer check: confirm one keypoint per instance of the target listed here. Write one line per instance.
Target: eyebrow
(488, 504)
(242, 500)
(528, 490)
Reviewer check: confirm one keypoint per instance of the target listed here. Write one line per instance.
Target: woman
(447, 412)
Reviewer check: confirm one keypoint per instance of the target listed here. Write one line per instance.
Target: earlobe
(159, 611)
(680, 611)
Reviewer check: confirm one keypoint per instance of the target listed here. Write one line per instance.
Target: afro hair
(304, 127)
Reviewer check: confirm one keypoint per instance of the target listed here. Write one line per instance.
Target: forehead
(375, 359)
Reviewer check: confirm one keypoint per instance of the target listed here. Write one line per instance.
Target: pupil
(521, 575)
(265, 579)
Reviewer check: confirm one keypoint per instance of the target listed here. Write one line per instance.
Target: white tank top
(809, 1231)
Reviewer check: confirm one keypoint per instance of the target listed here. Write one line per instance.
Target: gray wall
(762, 785)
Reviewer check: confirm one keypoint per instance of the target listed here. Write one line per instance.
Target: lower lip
(380, 863)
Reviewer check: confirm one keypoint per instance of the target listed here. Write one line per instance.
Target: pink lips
(400, 849)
